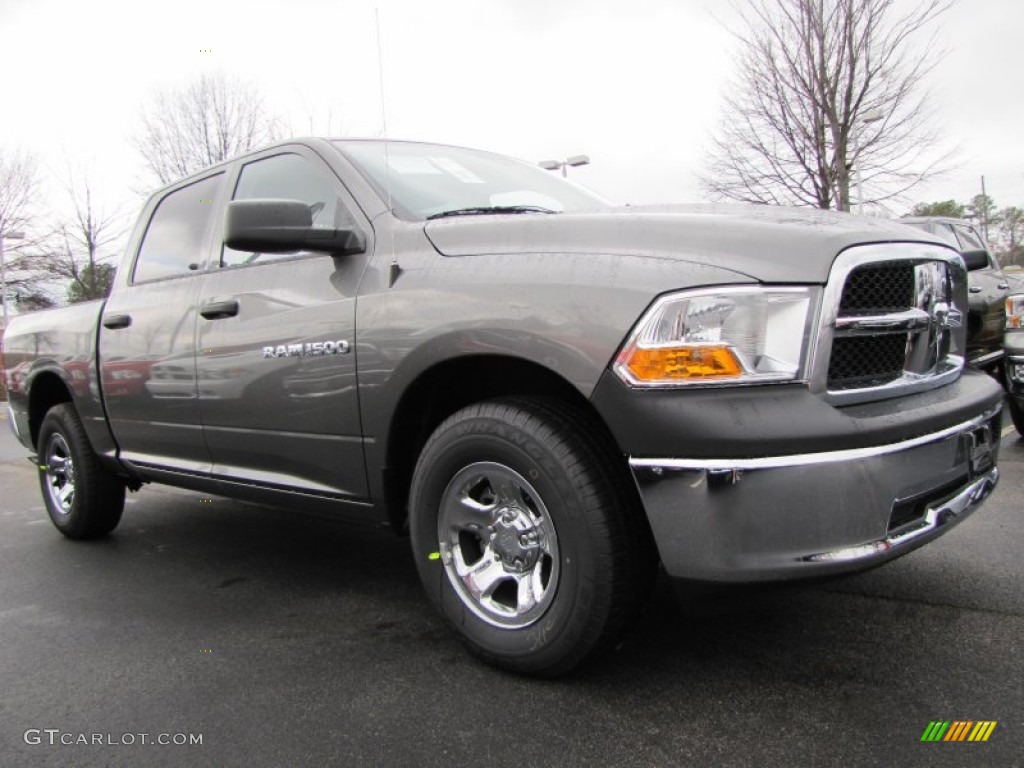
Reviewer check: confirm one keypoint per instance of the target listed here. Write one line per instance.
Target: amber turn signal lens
(678, 363)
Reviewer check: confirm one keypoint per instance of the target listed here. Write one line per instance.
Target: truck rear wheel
(527, 534)
(83, 498)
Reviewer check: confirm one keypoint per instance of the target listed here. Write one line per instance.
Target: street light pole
(554, 165)
(873, 116)
(3, 267)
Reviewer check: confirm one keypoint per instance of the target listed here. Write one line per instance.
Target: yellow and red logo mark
(958, 730)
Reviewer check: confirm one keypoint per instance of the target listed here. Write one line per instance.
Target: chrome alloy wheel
(498, 545)
(60, 473)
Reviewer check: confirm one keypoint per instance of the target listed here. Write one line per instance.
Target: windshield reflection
(424, 180)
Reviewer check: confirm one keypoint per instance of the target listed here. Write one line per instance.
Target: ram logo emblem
(308, 349)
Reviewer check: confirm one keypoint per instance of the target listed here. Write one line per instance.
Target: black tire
(1017, 414)
(93, 505)
(589, 578)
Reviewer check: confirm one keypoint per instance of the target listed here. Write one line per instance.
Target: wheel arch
(47, 390)
(448, 386)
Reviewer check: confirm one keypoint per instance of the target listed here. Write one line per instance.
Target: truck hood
(767, 243)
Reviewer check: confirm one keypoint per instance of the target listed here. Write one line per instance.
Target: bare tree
(19, 191)
(826, 89)
(19, 183)
(213, 118)
(78, 252)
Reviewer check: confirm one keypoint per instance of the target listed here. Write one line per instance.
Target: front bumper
(815, 514)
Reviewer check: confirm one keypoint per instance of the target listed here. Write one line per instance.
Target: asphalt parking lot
(281, 639)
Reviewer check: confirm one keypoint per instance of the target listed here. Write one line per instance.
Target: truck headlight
(1015, 311)
(734, 335)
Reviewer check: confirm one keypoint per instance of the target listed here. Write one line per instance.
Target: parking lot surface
(284, 639)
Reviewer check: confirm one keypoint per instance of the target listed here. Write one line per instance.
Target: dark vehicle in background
(987, 288)
(1013, 343)
(995, 340)
(548, 394)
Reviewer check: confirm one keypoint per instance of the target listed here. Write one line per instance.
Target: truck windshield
(431, 180)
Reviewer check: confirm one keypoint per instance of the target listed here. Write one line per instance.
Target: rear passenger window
(176, 236)
(287, 177)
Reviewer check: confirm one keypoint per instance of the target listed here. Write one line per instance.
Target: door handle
(114, 322)
(217, 310)
(975, 289)
(1003, 286)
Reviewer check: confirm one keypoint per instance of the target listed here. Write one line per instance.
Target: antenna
(395, 270)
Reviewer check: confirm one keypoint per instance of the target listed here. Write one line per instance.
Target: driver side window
(287, 177)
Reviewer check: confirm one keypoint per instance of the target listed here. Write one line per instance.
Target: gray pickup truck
(549, 394)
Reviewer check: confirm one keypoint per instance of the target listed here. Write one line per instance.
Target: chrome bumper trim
(807, 459)
(789, 517)
(953, 510)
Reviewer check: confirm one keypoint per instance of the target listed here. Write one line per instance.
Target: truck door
(988, 291)
(147, 339)
(276, 337)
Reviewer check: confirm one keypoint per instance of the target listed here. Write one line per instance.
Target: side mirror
(975, 260)
(280, 226)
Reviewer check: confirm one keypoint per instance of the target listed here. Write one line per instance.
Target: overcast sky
(635, 84)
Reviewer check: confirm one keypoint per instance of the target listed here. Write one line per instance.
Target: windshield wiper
(483, 210)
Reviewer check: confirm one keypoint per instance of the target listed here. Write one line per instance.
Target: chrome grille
(893, 319)
(875, 288)
(866, 361)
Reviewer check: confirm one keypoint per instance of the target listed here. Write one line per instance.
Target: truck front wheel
(83, 498)
(527, 534)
